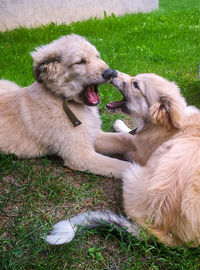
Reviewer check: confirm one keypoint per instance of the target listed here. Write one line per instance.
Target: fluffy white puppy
(58, 113)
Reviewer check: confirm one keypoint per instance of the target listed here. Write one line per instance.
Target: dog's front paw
(119, 126)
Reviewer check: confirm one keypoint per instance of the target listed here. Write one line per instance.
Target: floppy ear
(166, 112)
(47, 70)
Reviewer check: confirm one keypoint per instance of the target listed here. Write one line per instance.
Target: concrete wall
(29, 13)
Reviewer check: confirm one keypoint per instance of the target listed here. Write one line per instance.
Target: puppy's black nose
(109, 73)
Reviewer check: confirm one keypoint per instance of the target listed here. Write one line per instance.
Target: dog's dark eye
(136, 85)
(82, 61)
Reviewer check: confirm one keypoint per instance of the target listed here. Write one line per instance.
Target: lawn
(36, 193)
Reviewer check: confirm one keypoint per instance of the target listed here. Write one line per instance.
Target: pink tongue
(114, 105)
(92, 96)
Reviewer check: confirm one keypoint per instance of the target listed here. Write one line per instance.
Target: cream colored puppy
(57, 114)
(161, 191)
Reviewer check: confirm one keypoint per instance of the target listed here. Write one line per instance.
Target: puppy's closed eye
(82, 61)
(136, 85)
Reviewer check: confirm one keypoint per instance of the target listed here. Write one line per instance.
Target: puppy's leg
(113, 143)
(89, 160)
(119, 126)
(136, 181)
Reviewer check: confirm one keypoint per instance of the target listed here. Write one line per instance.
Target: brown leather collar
(72, 117)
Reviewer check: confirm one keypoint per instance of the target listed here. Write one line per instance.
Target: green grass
(36, 193)
(174, 5)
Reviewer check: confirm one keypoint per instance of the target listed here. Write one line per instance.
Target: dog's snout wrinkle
(123, 85)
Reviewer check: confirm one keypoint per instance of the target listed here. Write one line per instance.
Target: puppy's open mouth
(113, 106)
(117, 105)
(91, 95)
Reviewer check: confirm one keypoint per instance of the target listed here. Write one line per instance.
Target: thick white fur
(65, 230)
(31, 13)
(33, 122)
(162, 191)
(8, 86)
(62, 232)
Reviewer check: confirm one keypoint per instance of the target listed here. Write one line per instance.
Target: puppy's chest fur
(53, 120)
(43, 125)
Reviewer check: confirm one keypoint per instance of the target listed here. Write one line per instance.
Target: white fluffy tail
(64, 231)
